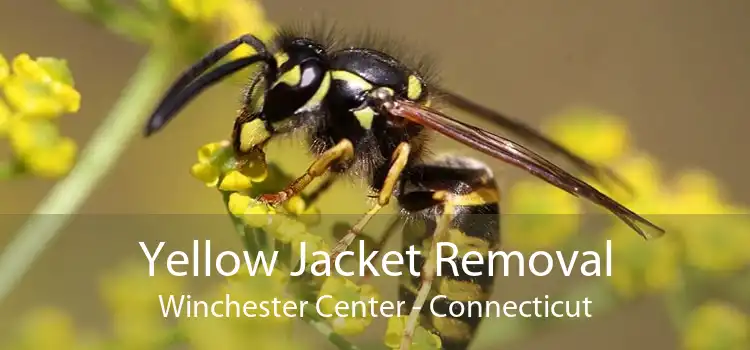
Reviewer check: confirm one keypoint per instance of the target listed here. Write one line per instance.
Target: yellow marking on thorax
(291, 77)
(365, 117)
(281, 58)
(253, 134)
(321, 93)
(414, 88)
(351, 78)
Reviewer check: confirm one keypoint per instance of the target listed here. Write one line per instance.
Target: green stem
(311, 317)
(101, 153)
(10, 169)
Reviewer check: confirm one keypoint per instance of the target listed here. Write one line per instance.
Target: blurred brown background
(677, 70)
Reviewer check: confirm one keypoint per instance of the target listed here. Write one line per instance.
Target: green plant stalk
(96, 160)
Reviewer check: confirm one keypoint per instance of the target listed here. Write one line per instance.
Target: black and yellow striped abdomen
(473, 198)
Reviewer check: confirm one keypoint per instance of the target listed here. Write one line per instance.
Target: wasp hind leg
(398, 162)
(452, 200)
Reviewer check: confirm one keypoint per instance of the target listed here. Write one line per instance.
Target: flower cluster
(717, 325)
(706, 234)
(130, 295)
(189, 27)
(36, 93)
(237, 332)
(288, 225)
(232, 18)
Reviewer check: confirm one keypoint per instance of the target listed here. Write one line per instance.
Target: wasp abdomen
(467, 187)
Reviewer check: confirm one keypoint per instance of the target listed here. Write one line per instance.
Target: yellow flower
(4, 69)
(133, 297)
(284, 228)
(422, 340)
(48, 328)
(215, 161)
(337, 290)
(298, 207)
(539, 216)
(239, 17)
(598, 136)
(235, 181)
(252, 212)
(696, 192)
(198, 10)
(37, 91)
(716, 325)
(288, 229)
(38, 144)
(41, 88)
(313, 243)
(714, 234)
(5, 117)
(239, 328)
(641, 267)
(643, 174)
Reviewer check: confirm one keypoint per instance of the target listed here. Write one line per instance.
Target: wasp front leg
(342, 152)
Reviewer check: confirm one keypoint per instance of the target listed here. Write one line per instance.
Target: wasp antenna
(169, 108)
(176, 95)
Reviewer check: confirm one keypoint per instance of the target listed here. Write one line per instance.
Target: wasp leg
(398, 163)
(341, 152)
(429, 270)
(381, 243)
(452, 203)
(315, 194)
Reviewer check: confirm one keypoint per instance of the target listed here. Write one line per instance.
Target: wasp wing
(517, 155)
(527, 133)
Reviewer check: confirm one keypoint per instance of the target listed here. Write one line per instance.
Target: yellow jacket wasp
(367, 113)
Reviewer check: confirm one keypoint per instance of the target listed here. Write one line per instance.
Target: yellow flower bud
(287, 229)
(239, 17)
(311, 216)
(716, 325)
(41, 87)
(313, 243)
(540, 216)
(422, 340)
(198, 10)
(238, 203)
(295, 205)
(235, 181)
(4, 69)
(641, 267)
(53, 161)
(207, 151)
(344, 290)
(206, 173)
(597, 136)
(257, 214)
(5, 117)
(48, 329)
(40, 99)
(24, 66)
